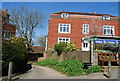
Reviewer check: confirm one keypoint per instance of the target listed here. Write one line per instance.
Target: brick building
(76, 26)
(8, 29)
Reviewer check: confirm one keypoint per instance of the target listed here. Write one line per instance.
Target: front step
(105, 68)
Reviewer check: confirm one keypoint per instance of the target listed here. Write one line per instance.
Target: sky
(51, 7)
(60, 0)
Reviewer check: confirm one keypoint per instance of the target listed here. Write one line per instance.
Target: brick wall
(76, 29)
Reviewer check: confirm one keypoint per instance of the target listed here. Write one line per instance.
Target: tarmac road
(39, 72)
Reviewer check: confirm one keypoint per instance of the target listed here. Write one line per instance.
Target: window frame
(63, 38)
(106, 17)
(85, 29)
(59, 28)
(7, 34)
(66, 15)
(113, 30)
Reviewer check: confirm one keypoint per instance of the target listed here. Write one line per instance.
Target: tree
(42, 40)
(95, 26)
(26, 20)
(16, 52)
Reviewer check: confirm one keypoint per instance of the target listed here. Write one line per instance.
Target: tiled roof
(82, 13)
(37, 49)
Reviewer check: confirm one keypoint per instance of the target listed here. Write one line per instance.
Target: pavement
(40, 72)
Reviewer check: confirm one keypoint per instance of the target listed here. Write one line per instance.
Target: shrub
(111, 47)
(48, 62)
(98, 46)
(65, 47)
(15, 52)
(60, 47)
(71, 46)
(50, 51)
(70, 67)
(93, 69)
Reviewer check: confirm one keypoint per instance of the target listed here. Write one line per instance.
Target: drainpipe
(46, 46)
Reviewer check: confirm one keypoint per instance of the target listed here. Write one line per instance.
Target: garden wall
(74, 55)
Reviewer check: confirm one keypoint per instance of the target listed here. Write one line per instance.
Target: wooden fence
(105, 57)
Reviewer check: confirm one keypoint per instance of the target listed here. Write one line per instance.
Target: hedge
(15, 52)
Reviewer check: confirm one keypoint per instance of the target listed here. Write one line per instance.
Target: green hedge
(15, 52)
(69, 67)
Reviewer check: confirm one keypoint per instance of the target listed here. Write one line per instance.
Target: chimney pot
(95, 12)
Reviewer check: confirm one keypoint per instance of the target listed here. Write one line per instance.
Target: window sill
(63, 33)
(85, 33)
(108, 34)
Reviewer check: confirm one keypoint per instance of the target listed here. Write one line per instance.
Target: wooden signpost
(107, 57)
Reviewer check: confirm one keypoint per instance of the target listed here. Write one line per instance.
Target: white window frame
(59, 28)
(64, 15)
(85, 28)
(6, 33)
(106, 27)
(63, 40)
(106, 17)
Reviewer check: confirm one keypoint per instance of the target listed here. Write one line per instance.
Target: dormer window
(64, 15)
(106, 17)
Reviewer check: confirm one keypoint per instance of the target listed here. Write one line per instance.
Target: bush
(70, 67)
(111, 47)
(59, 48)
(93, 69)
(48, 62)
(50, 51)
(65, 47)
(98, 46)
(15, 52)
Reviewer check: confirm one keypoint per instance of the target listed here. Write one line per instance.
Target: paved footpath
(39, 72)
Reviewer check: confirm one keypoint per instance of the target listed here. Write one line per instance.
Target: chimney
(95, 12)
(6, 10)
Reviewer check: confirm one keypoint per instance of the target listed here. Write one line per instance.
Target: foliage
(15, 52)
(99, 46)
(70, 67)
(60, 47)
(93, 69)
(65, 47)
(42, 40)
(50, 51)
(111, 47)
(15, 39)
(48, 62)
(71, 46)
